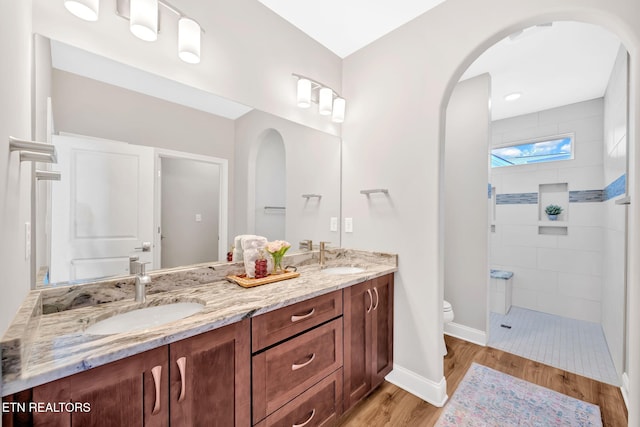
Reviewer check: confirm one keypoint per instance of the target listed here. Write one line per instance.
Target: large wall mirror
(169, 174)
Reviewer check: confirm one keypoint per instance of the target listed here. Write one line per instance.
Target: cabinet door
(210, 378)
(382, 329)
(122, 393)
(358, 305)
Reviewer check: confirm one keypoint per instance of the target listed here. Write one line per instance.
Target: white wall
(466, 243)
(313, 167)
(554, 274)
(397, 89)
(614, 216)
(15, 177)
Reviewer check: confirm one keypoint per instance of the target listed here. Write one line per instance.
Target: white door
(102, 210)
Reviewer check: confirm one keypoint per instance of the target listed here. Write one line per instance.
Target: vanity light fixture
(83, 9)
(143, 16)
(329, 101)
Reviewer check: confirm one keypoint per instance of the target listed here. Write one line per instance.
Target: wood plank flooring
(390, 406)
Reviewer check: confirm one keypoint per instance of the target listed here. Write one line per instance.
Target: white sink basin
(342, 270)
(144, 318)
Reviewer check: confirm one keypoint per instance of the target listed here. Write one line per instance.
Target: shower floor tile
(572, 345)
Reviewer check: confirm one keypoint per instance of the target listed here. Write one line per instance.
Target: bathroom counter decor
(47, 341)
(247, 282)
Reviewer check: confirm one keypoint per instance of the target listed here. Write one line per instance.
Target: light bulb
(83, 9)
(143, 19)
(325, 101)
(304, 93)
(339, 105)
(189, 40)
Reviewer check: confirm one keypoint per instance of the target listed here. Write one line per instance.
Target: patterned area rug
(486, 397)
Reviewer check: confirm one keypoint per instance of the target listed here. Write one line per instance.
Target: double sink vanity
(299, 352)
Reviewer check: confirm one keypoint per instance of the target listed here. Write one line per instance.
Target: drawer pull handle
(297, 366)
(156, 372)
(370, 301)
(313, 413)
(182, 362)
(299, 317)
(375, 307)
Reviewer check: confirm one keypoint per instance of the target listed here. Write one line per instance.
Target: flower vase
(277, 264)
(552, 217)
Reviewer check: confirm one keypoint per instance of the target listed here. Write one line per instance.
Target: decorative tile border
(586, 196)
(616, 188)
(517, 199)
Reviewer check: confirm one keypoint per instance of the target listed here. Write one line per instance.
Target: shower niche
(553, 194)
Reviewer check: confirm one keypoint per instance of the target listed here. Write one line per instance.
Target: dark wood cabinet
(204, 380)
(368, 337)
(131, 391)
(211, 378)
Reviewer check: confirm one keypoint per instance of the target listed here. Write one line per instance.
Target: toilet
(447, 317)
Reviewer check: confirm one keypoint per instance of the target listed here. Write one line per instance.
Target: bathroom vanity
(296, 352)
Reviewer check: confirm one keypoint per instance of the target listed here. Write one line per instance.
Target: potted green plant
(553, 211)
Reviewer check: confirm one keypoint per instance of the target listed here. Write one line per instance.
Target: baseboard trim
(625, 389)
(432, 392)
(466, 333)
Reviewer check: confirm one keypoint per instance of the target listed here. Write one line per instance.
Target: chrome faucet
(142, 280)
(322, 253)
(306, 244)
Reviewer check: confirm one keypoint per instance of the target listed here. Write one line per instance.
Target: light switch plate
(198, 218)
(334, 224)
(348, 225)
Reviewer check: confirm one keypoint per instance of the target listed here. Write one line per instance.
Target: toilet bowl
(447, 317)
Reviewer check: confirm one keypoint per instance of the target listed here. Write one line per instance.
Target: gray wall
(271, 187)
(466, 244)
(189, 188)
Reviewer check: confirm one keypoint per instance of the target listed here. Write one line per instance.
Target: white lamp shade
(83, 9)
(325, 101)
(189, 40)
(304, 93)
(339, 105)
(144, 19)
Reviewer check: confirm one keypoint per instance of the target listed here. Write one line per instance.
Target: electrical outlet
(334, 224)
(348, 225)
(27, 240)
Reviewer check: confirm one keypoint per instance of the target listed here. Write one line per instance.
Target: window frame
(536, 140)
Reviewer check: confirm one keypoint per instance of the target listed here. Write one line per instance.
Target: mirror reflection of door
(100, 209)
(271, 187)
(190, 208)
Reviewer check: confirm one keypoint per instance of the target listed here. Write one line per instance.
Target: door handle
(370, 301)
(146, 247)
(183, 377)
(156, 372)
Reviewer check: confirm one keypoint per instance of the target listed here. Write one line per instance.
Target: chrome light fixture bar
(44, 175)
(329, 101)
(144, 22)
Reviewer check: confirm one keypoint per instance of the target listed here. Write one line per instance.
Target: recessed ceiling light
(512, 96)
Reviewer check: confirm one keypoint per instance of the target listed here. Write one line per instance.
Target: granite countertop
(39, 348)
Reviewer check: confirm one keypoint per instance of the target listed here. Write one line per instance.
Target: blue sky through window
(533, 152)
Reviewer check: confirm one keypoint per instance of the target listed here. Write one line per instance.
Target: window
(537, 151)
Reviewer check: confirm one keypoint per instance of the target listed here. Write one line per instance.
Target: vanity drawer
(321, 405)
(270, 328)
(285, 371)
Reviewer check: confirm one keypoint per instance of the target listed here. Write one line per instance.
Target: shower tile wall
(555, 274)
